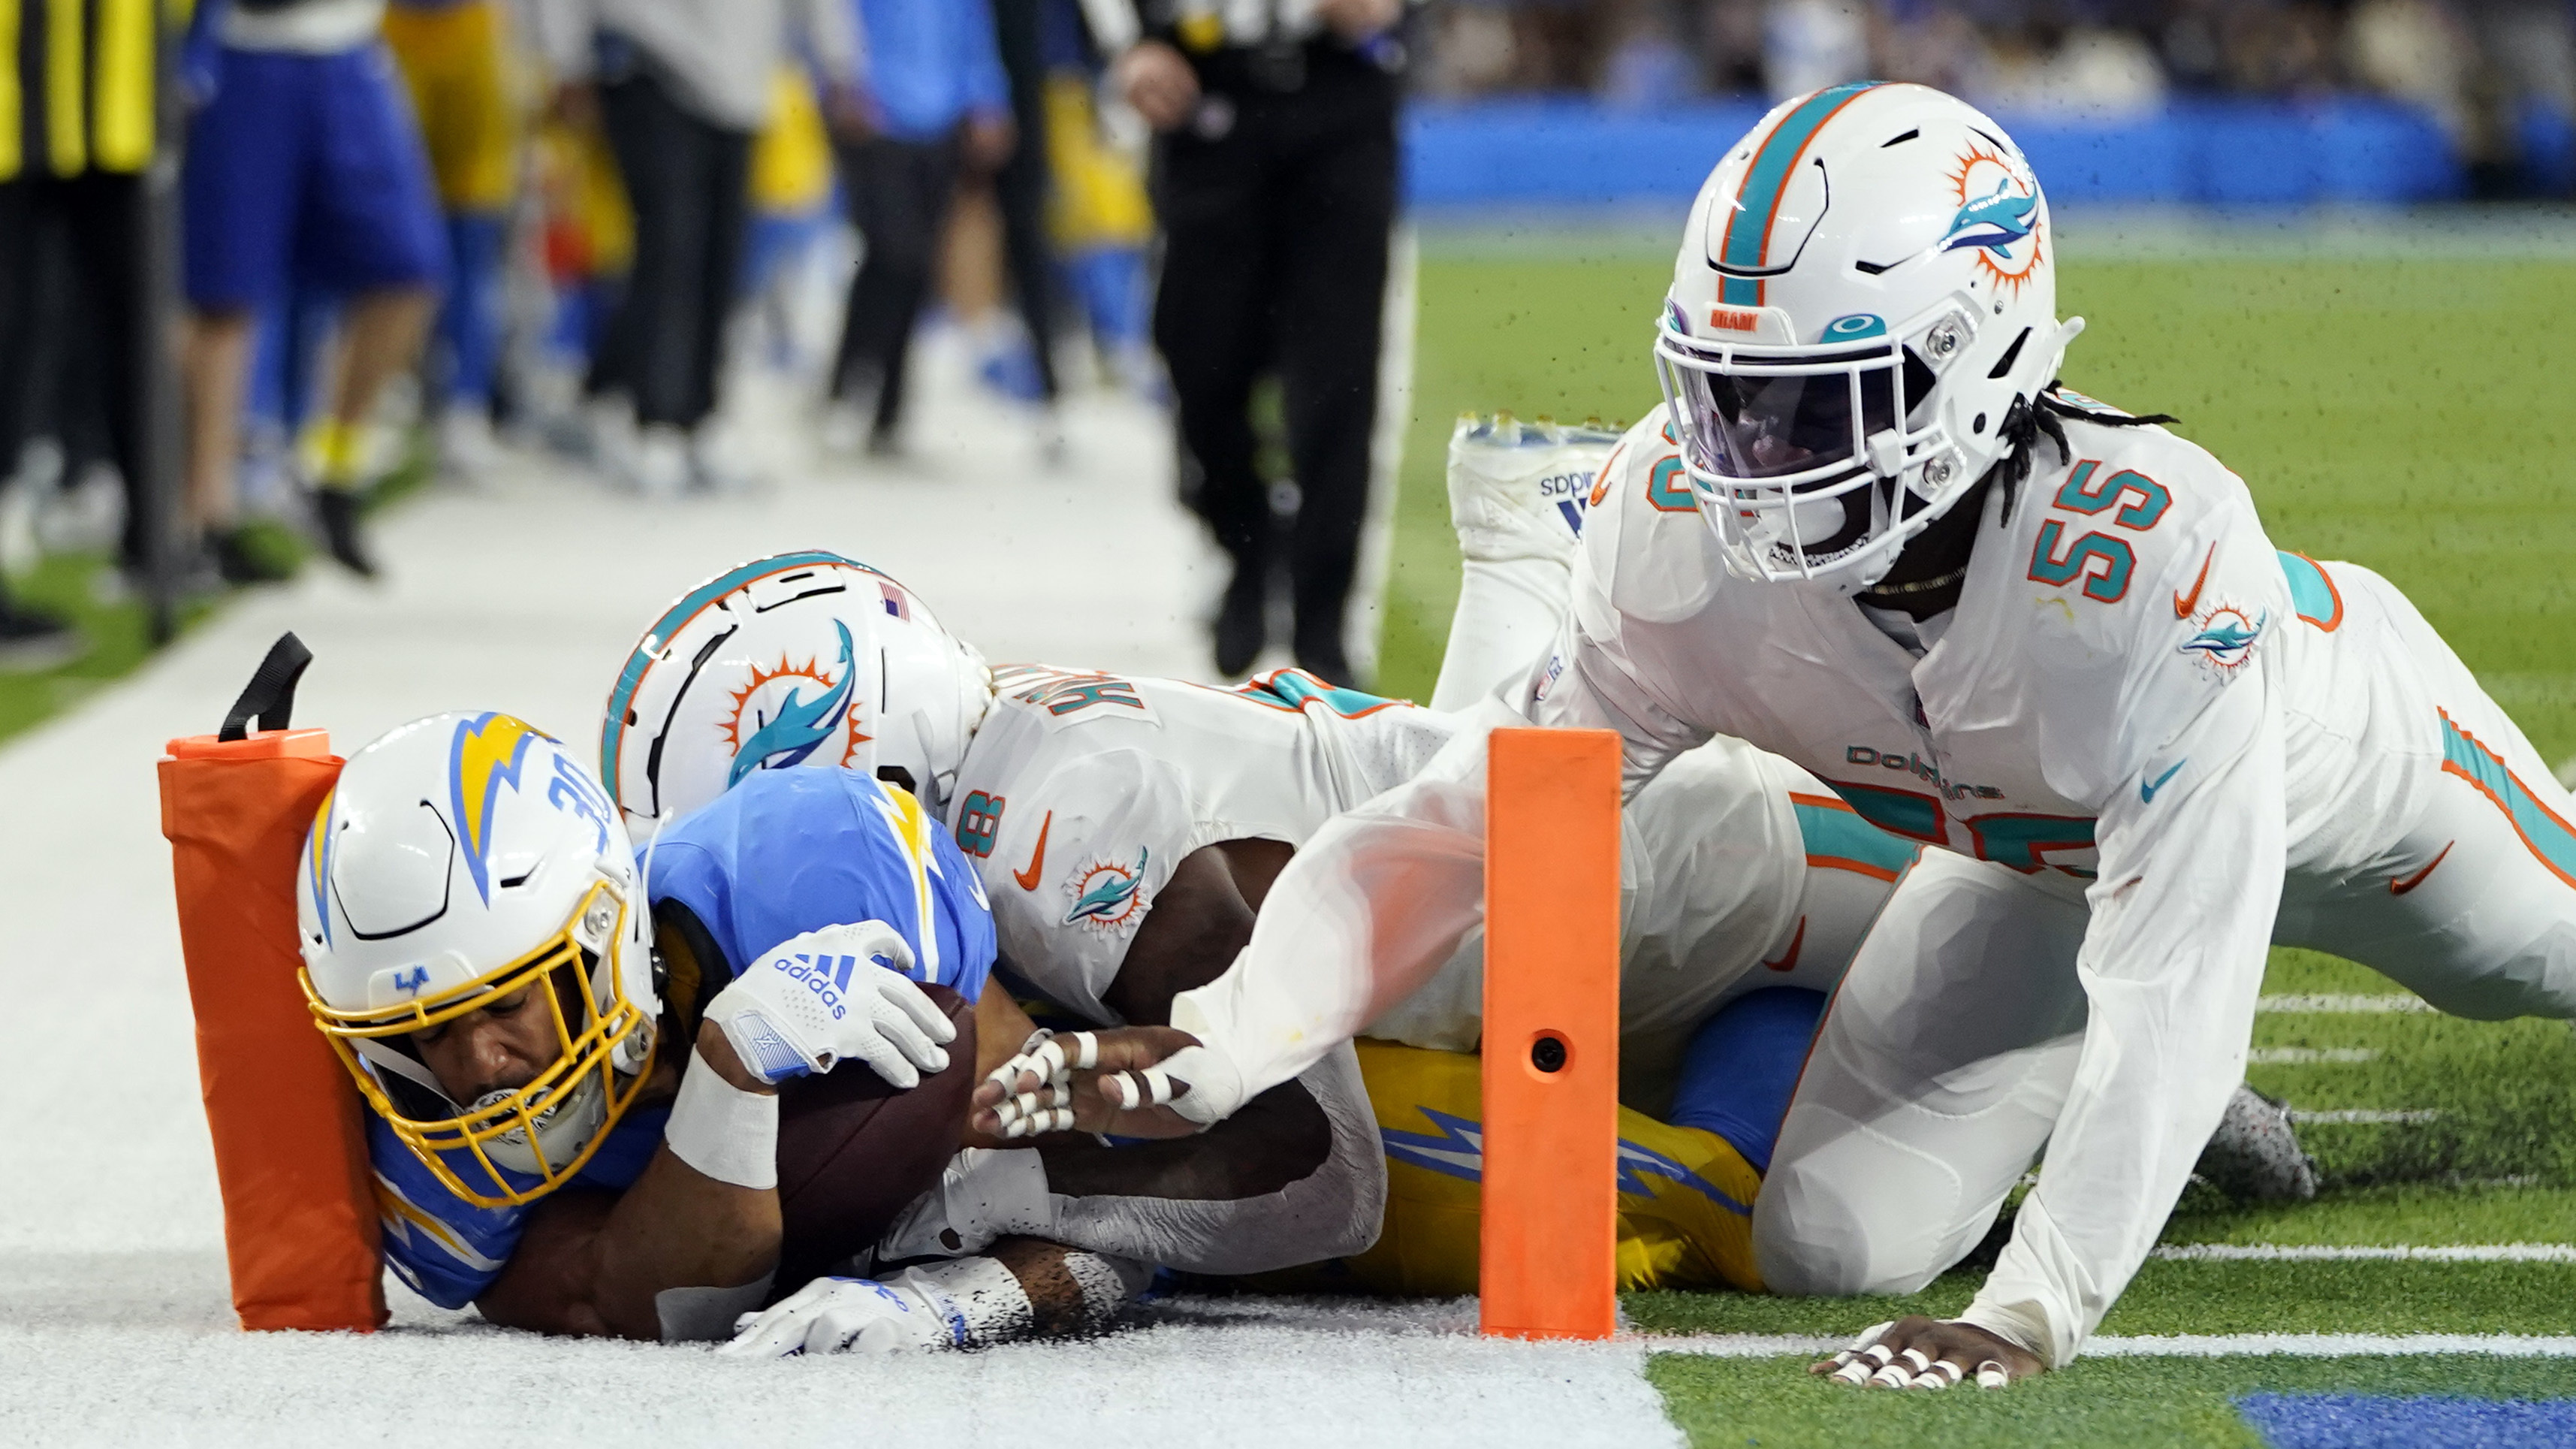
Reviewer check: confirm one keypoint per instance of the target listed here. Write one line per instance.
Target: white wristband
(723, 1131)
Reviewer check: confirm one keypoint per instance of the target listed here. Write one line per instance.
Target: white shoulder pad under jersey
(2127, 584)
(1083, 792)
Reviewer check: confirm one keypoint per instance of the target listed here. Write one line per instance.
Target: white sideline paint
(2330, 1252)
(2333, 1004)
(2309, 1056)
(2179, 1345)
(2345, 1117)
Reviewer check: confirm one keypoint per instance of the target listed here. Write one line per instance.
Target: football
(853, 1150)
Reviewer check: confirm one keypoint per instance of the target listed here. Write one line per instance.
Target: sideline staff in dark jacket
(1274, 181)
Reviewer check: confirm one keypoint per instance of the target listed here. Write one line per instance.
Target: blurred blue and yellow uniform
(304, 166)
(456, 57)
(1686, 1186)
(785, 852)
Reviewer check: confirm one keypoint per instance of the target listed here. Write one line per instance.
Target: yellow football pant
(1685, 1196)
(456, 60)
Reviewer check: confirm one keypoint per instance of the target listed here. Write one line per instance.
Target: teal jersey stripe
(613, 734)
(2312, 594)
(2549, 837)
(1916, 817)
(1844, 835)
(1748, 231)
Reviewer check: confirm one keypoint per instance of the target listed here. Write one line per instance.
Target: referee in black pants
(1274, 182)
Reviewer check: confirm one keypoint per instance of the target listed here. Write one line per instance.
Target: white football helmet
(799, 659)
(1866, 292)
(460, 859)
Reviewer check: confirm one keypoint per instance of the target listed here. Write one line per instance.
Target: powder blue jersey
(785, 852)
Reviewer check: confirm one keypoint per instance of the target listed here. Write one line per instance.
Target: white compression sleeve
(723, 1131)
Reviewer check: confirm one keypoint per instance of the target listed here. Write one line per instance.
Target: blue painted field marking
(2371, 1421)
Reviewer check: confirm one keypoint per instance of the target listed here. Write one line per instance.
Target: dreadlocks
(2025, 425)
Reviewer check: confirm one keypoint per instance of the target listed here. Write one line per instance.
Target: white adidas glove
(822, 998)
(852, 1315)
(983, 1194)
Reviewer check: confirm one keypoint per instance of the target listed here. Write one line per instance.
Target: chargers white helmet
(1864, 305)
(798, 659)
(458, 860)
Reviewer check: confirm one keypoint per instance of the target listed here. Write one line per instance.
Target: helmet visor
(1778, 415)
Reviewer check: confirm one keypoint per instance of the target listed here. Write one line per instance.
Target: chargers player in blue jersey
(579, 1137)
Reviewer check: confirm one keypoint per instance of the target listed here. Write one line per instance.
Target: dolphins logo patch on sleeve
(2225, 639)
(1108, 897)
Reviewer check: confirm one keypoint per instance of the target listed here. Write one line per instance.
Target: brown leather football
(853, 1151)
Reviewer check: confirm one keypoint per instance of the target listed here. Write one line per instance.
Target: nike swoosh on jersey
(2147, 790)
(2185, 603)
(2398, 887)
(1789, 961)
(1028, 879)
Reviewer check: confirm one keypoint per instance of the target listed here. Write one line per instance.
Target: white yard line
(2331, 1252)
(2337, 1003)
(2309, 1056)
(2176, 1345)
(2365, 1116)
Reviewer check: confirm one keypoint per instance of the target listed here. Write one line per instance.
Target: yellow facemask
(584, 1079)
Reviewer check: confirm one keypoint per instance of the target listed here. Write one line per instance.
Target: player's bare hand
(1929, 1353)
(1158, 82)
(1086, 1081)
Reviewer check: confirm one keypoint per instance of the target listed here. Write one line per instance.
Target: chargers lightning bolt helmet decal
(798, 660)
(462, 860)
(1864, 294)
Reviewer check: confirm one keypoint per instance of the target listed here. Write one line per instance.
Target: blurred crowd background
(263, 262)
(2498, 76)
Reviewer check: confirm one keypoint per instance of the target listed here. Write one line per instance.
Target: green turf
(118, 637)
(2360, 1296)
(1722, 1403)
(2397, 414)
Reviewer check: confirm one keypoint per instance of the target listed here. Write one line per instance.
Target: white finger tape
(1929, 1381)
(1918, 1359)
(1991, 1375)
(1894, 1376)
(1086, 1050)
(1852, 1373)
(1878, 1353)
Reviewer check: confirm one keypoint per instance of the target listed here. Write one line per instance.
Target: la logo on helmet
(1998, 218)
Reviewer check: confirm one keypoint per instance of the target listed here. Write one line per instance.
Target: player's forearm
(1365, 913)
(685, 1226)
(2172, 962)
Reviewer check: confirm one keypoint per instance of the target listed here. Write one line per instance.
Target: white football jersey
(1082, 792)
(2137, 702)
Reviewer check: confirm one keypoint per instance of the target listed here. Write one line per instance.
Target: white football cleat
(1519, 490)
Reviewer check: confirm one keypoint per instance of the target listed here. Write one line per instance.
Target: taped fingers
(1140, 1088)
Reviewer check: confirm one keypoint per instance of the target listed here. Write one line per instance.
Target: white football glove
(852, 1315)
(822, 998)
(984, 1193)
